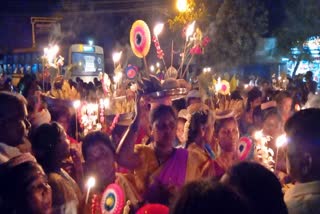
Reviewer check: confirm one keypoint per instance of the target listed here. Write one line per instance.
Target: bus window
(28, 58)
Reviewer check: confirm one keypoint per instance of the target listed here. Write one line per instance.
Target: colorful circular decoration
(112, 200)
(245, 148)
(140, 38)
(225, 87)
(131, 72)
(153, 208)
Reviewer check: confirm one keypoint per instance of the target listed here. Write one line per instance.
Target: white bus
(87, 61)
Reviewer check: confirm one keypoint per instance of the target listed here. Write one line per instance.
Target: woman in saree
(159, 169)
(199, 131)
(51, 146)
(100, 161)
(227, 135)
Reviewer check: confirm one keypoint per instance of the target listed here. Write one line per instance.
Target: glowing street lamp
(158, 29)
(182, 5)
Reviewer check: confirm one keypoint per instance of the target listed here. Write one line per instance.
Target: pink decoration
(160, 53)
(205, 41)
(196, 50)
(112, 200)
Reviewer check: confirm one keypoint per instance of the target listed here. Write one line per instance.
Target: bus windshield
(87, 60)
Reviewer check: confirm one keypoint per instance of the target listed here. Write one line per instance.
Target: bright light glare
(116, 56)
(91, 182)
(106, 103)
(51, 52)
(76, 104)
(258, 135)
(90, 42)
(190, 30)
(218, 84)
(182, 5)
(152, 68)
(281, 140)
(158, 65)
(158, 29)
(206, 69)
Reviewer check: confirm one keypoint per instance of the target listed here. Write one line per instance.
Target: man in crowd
(311, 85)
(14, 126)
(303, 133)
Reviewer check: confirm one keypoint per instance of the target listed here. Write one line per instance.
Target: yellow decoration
(224, 88)
(65, 92)
(109, 201)
(198, 35)
(233, 83)
(140, 38)
(120, 106)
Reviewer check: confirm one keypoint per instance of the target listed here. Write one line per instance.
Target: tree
(301, 23)
(236, 29)
(197, 10)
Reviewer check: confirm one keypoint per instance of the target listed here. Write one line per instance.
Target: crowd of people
(174, 156)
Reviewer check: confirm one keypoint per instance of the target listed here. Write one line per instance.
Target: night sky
(106, 22)
(103, 21)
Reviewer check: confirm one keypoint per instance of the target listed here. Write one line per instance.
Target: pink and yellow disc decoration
(140, 38)
(112, 200)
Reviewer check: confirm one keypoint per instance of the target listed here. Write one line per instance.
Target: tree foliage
(237, 26)
(197, 10)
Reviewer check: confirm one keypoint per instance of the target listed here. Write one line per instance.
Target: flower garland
(263, 153)
(187, 127)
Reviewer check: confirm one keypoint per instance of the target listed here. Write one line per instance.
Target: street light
(182, 5)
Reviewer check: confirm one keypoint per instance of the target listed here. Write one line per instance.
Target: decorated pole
(156, 31)
(189, 32)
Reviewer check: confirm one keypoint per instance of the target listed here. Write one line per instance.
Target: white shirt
(303, 198)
